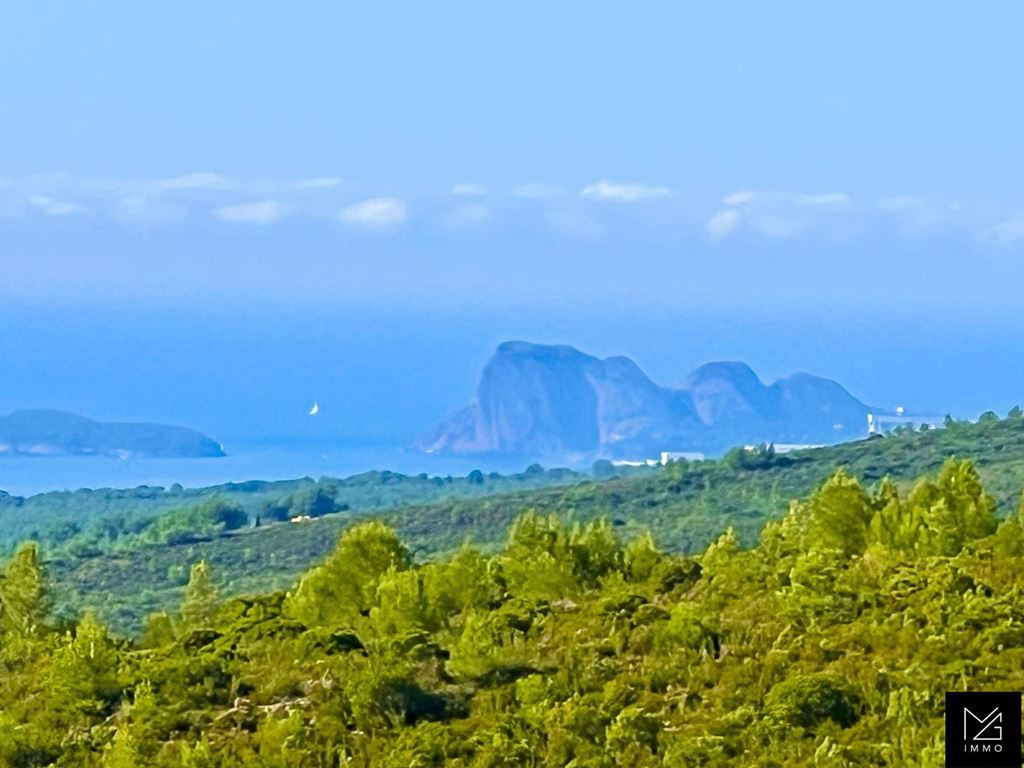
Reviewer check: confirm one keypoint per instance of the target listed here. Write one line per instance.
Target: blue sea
(247, 377)
(28, 475)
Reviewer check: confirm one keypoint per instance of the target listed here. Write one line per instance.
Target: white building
(667, 456)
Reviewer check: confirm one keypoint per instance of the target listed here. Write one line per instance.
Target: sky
(396, 187)
(236, 147)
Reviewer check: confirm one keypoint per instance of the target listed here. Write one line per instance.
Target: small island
(45, 432)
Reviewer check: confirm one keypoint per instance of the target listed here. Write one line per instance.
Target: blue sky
(740, 151)
(874, 98)
(401, 186)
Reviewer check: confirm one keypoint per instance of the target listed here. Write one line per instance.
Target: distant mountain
(543, 401)
(56, 433)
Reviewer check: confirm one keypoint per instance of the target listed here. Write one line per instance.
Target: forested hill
(828, 644)
(91, 516)
(684, 506)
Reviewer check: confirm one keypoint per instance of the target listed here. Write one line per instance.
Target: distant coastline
(47, 433)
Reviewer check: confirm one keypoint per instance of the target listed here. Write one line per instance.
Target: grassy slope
(684, 509)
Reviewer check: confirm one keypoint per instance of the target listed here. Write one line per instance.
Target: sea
(29, 475)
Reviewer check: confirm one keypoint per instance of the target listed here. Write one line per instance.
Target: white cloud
(204, 180)
(53, 207)
(738, 198)
(468, 189)
(723, 223)
(133, 204)
(468, 215)
(259, 212)
(377, 213)
(536, 191)
(153, 210)
(900, 203)
(1010, 231)
(628, 192)
(318, 182)
(776, 226)
(826, 200)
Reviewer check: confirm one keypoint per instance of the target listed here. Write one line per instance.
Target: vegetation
(830, 642)
(684, 506)
(94, 518)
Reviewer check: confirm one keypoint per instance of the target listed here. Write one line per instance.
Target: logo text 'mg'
(985, 728)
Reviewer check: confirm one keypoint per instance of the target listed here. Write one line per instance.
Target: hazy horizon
(247, 374)
(196, 229)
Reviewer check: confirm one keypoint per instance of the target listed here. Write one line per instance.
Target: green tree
(596, 551)
(83, 678)
(894, 524)
(642, 557)
(121, 752)
(538, 560)
(207, 519)
(23, 605)
(344, 586)
(401, 605)
(465, 581)
(199, 607)
(839, 515)
(315, 500)
(157, 631)
(955, 509)
(807, 700)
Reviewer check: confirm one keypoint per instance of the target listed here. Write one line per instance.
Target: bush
(192, 523)
(315, 501)
(757, 457)
(807, 700)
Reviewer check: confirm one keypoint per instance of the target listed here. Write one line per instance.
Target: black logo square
(983, 730)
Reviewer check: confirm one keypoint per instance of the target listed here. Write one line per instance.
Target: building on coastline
(880, 423)
(667, 456)
(635, 463)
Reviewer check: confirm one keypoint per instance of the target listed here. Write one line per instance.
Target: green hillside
(828, 644)
(684, 506)
(97, 516)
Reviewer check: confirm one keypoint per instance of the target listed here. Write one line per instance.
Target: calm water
(25, 475)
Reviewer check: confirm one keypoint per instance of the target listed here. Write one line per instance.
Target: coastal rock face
(56, 433)
(543, 401)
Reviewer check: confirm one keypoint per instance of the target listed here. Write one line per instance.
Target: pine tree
(840, 515)
(199, 607)
(121, 752)
(83, 676)
(22, 599)
(344, 587)
(956, 509)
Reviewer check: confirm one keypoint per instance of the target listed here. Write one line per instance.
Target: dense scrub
(685, 506)
(828, 643)
(87, 519)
